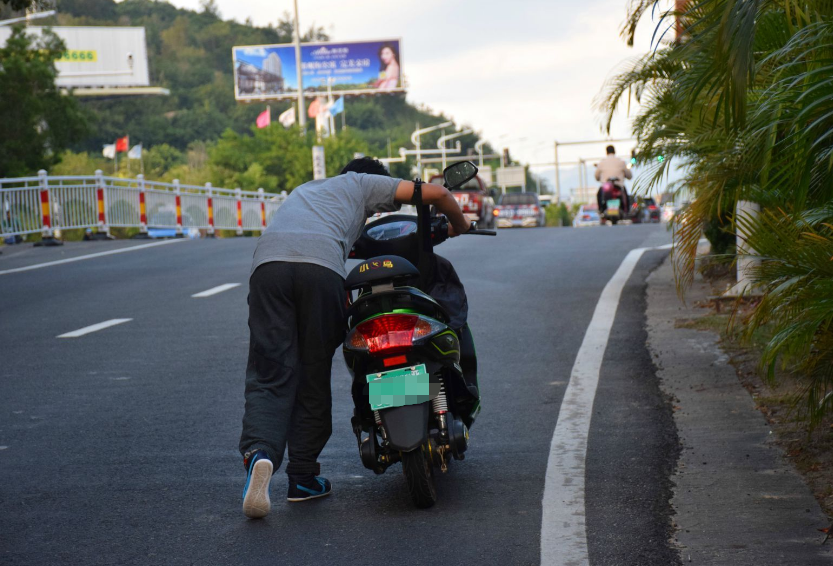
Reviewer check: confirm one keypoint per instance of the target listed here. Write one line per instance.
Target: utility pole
(302, 109)
(557, 177)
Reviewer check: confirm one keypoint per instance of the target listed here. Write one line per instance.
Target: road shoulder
(737, 499)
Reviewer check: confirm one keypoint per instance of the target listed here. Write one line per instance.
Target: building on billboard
(263, 72)
(100, 61)
(272, 64)
(254, 81)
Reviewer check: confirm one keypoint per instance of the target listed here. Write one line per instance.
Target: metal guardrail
(47, 204)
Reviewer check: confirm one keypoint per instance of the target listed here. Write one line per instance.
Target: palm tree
(744, 100)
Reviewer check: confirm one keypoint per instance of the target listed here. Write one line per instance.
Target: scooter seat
(400, 298)
(380, 269)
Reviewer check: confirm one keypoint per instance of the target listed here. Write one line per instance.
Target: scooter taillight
(390, 333)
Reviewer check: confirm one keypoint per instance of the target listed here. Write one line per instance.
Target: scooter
(413, 403)
(613, 197)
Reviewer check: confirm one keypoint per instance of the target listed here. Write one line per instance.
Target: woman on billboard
(388, 68)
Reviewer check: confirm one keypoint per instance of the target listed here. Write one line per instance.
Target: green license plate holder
(399, 387)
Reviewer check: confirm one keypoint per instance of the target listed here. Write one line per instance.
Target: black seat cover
(381, 268)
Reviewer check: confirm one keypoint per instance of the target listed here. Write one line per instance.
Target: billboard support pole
(302, 114)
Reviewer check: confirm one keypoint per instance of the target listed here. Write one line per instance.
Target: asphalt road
(119, 446)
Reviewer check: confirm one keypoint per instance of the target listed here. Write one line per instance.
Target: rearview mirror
(456, 175)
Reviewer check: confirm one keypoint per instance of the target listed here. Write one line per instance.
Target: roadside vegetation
(743, 100)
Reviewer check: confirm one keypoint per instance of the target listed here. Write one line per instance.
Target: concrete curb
(737, 500)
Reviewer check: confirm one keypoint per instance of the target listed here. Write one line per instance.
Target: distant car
(475, 201)
(545, 200)
(587, 215)
(519, 209)
(644, 209)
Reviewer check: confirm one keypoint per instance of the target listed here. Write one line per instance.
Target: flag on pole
(135, 152)
(287, 119)
(122, 144)
(264, 118)
(109, 151)
(314, 108)
(337, 107)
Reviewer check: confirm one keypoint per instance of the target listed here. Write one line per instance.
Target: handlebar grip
(482, 232)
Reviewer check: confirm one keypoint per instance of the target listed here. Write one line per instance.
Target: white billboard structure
(511, 177)
(100, 61)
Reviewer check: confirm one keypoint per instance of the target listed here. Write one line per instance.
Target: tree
(39, 122)
(19, 4)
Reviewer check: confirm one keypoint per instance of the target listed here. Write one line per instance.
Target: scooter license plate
(399, 387)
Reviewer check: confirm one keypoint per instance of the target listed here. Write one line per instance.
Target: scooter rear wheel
(420, 477)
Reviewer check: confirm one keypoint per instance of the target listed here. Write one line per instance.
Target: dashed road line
(88, 256)
(215, 290)
(94, 327)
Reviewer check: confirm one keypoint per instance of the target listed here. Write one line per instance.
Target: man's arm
(439, 197)
(628, 173)
(598, 173)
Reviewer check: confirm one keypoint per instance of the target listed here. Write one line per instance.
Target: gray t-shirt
(321, 220)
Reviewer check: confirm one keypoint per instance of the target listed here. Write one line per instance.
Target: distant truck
(474, 199)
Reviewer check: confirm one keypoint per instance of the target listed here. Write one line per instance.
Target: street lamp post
(302, 111)
(415, 139)
(478, 147)
(28, 17)
(444, 138)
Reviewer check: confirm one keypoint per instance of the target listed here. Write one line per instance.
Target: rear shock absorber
(440, 406)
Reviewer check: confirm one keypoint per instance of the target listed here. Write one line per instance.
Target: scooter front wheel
(420, 477)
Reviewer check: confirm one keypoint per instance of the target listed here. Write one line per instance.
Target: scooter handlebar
(478, 232)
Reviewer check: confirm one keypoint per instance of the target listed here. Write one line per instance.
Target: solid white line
(88, 256)
(215, 290)
(563, 523)
(94, 327)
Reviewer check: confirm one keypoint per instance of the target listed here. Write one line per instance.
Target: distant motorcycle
(612, 201)
(413, 402)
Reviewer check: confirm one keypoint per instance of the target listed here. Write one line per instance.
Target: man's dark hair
(611, 150)
(366, 165)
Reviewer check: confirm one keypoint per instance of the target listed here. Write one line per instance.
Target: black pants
(296, 321)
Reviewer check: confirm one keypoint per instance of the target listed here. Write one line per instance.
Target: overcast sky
(524, 73)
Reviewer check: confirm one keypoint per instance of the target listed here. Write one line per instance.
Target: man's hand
(452, 233)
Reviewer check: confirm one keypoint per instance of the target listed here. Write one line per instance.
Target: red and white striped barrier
(46, 204)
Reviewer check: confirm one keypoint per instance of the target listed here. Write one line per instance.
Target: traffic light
(633, 157)
(660, 158)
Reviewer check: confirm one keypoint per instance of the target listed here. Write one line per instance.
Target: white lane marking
(215, 290)
(563, 522)
(88, 256)
(94, 327)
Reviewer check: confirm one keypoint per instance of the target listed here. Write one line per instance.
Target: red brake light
(652, 207)
(390, 333)
(387, 333)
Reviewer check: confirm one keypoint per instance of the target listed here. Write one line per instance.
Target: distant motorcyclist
(611, 167)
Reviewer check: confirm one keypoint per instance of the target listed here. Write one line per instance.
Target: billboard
(98, 56)
(264, 72)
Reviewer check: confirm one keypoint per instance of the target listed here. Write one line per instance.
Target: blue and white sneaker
(256, 504)
(301, 490)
